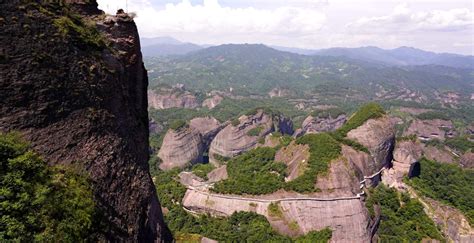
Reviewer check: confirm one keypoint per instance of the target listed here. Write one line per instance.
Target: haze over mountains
(401, 56)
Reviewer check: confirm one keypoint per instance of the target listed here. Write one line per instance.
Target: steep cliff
(180, 148)
(244, 135)
(72, 81)
(320, 124)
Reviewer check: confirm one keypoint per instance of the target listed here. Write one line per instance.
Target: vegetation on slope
(254, 172)
(202, 170)
(402, 218)
(322, 148)
(42, 203)
(447, 183)
(461, 144)
(239, 227)
(366, 112)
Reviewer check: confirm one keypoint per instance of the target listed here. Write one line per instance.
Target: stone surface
(467, 160)
(86, 104)
(430, 129)
(218, 174)
(378, 136)
(441, 155)
(295, 156)
(171, 98)
(212, 102)
(406, 155)
(181, 148)
(318, 124)
(234, 140)
(208, 127)
(347, 218)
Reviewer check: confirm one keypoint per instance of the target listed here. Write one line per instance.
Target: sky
(433, 25)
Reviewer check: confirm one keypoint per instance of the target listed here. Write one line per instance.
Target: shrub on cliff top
(178, 124)
(41, 203)
(85, 32)
(366, 112)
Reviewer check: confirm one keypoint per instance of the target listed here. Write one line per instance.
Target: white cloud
(210, 18)
(403, 19)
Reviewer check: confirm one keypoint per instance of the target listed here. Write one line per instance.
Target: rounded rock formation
(234, 140)
(180, 148)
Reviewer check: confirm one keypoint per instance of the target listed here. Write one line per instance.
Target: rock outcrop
(212, 102)
(320, 124)
(82, 99)
(347, 218)
(406, 156)
(378, 136)
(430, 129)
(181, 148)
(467, 160)
(296, 157)
(234, 140)
(171, 98)
(208, 127)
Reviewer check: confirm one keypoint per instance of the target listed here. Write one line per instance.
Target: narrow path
(302, 198)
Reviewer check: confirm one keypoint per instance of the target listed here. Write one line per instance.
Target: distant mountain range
(402, 56)
(166, 46)
(256, 69)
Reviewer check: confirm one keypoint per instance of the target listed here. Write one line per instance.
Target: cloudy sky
(435, 25)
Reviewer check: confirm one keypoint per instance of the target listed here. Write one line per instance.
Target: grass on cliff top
(81, 30)
(42, 203)
(365, 113)
(402, 218)
(447, 183)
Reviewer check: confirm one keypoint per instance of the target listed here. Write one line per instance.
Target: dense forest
(42, 203)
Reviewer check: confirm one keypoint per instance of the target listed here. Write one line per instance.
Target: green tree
(41, 203)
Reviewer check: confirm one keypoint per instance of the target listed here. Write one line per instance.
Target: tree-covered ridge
(42, 203)
(256, 69)
(402, 219)
(447, 183)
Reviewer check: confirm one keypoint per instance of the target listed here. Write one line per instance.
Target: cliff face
(234, 140)
(73, 83)
(181, 148)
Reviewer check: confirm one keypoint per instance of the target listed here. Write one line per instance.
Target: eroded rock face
(208, 127)
(218, 174)
(212, 102)
(467, 160)
(441, 155)
(378, 136)
(171, 98)
(318, 124)
(406, 156)
(234, 140)
(347, 218)
(451, 221)
(79, 102)
(296, 157)
(430, 129)
(181, 148)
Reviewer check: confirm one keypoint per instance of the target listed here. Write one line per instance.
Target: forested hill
(257, 69)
